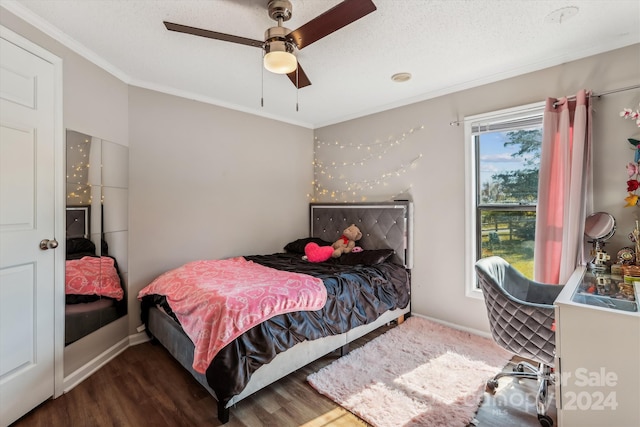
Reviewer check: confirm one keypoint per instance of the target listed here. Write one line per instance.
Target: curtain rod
(608, 92)
(593, 95)
(598, 95)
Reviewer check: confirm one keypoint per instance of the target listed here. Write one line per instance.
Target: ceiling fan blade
(332, 20)
(211, 34)
(302, 78)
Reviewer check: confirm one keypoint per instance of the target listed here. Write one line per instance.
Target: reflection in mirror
(599, 227)
(96, 218)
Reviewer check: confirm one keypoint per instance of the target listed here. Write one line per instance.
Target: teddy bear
(347, 241)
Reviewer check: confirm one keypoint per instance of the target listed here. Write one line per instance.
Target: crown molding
(50, 30)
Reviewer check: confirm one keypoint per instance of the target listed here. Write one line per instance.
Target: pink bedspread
(93, 276)
(217, 300)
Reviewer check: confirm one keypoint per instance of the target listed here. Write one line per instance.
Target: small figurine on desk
(599, 261)
(601, 258)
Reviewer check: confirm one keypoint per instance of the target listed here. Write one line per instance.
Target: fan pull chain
(262, 82)
(297, 86)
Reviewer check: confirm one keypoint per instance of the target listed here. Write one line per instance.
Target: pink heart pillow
(317, 253)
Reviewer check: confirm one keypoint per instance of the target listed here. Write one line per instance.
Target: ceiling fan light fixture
(279, 57)
(280, 42)
(280, 62)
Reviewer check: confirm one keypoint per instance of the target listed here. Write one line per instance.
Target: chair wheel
(492, 385)
(545, 420)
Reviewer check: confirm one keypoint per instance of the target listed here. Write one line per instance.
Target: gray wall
(208, 182)
(437, 180)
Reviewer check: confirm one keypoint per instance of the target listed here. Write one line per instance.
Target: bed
(364, 291)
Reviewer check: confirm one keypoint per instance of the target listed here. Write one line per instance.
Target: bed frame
(384, 225)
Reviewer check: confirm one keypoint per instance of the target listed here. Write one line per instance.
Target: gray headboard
(383, 225)
(78, 221)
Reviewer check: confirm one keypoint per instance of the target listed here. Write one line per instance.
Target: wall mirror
(97, 188)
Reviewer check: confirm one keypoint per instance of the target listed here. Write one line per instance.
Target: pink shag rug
(420, 373)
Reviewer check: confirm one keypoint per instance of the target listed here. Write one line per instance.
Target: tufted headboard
(383, 225)
(78, 221)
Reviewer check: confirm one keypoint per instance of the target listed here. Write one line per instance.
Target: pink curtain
(564, 188)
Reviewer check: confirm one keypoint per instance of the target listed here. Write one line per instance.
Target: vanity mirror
(97, 233)
(599, 227)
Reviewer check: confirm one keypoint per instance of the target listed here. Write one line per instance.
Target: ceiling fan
(280, 42)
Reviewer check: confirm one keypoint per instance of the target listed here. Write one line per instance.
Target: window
(503, 158)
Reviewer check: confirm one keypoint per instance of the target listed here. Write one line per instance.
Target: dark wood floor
(145, 386)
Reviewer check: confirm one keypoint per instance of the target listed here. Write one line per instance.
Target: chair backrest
(523, 328)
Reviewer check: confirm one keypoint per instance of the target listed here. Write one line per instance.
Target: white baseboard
(138, 338)
(102, 359)
(454, 326)
(92, 366)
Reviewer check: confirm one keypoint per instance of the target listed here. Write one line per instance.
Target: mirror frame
(596, 219)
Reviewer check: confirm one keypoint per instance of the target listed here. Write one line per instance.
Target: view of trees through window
(508, 162)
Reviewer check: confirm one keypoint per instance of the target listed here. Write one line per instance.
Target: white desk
(597, 353)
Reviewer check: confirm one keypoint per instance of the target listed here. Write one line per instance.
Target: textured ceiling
(447, 45)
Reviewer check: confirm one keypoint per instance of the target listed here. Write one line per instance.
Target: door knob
(46, 244)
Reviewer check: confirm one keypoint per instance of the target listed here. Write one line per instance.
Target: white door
(27, 203)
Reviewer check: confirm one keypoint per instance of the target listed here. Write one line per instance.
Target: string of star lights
(352, 188)
(78, 173)
(344, 189)
(375, 150)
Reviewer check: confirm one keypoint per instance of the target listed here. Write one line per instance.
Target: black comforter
(356, 295)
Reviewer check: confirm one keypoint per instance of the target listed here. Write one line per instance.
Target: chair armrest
(542, 293)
